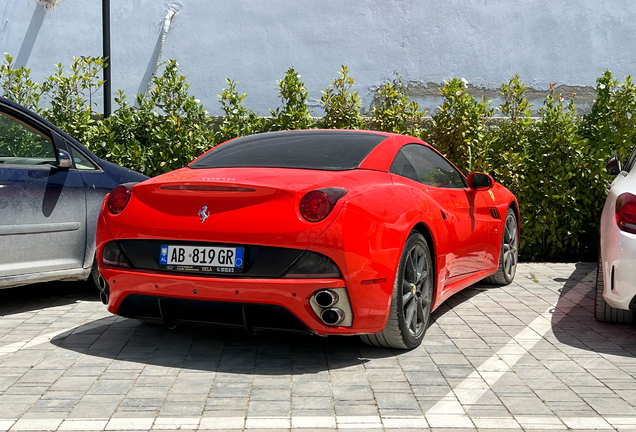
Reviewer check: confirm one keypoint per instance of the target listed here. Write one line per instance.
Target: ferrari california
(330, 232)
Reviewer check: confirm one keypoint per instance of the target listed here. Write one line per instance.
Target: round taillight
(315, 206)
(118, 199)
(626, 212)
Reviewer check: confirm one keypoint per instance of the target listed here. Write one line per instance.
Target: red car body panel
(364, 234)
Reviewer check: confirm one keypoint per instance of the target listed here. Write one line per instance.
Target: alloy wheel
(510, 248)
(416, 290)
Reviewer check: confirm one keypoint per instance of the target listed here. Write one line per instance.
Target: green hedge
(553, 163)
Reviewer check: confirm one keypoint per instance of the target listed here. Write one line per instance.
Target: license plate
(202, 258)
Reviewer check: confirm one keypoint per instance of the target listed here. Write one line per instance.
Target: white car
(616, 272)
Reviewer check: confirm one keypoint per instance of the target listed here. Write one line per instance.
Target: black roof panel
(315, 149)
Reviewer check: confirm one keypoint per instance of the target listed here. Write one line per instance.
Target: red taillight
(316, 205)
(118, 199)
(626, 212)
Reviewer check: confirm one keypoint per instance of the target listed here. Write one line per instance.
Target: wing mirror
(479, 181)
(64, 159)
(613, 166)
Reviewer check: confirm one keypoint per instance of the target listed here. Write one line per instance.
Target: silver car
(51, 191)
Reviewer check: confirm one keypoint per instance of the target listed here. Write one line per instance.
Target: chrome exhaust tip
(332, 316)
(326, 298)
(102, 283)
(104, 296)
(104, 289)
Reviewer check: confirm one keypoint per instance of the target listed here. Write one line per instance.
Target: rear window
(319, 150)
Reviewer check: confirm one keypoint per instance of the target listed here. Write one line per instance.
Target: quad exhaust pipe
(332, 316)
(326, 304)
(326, 298)
(104, 289)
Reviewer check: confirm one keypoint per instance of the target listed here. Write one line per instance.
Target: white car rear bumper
(619, 268)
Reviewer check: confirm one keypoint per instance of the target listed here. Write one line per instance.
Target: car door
(42, 206)
(462, 209)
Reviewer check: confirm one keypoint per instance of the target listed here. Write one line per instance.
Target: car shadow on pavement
(215, 349)
(41, 296)
(573, 321)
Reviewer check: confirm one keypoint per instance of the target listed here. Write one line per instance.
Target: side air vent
(495, 213)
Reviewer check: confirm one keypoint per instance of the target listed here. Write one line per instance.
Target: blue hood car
(51, 192)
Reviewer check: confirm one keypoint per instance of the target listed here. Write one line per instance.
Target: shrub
(459, 125)
(554, 196)
(238, 120)
(294, 113)
(342, 108)
(70, 97)
(166, 131)
(611, 123)
(554, 165)
(608, 130)
(502, 156)
(395, 112)
(17, 85)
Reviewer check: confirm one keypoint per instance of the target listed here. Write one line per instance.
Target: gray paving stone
(41, 376)
(313, 389)
(121, 369)
(428, 378)
(301, 412)
(313, 403)
(93, 410)
(232, 389)
(114, 387)
(267, 408)
(200, 385)
(147, 392)
(182, 409)
(355, 409)
(352, 393)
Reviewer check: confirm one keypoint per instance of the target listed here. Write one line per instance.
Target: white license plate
(202, 258)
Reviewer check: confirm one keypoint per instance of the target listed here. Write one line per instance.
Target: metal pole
(106, 51)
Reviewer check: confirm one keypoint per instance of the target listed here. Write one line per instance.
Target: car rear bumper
(225, 301)
(619, 269)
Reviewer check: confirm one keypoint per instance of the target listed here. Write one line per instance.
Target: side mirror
(64, 159)
(613, 166)
(479, 181)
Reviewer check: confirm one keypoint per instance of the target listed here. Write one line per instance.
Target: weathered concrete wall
(255, 41)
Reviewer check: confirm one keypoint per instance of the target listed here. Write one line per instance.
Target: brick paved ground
(529, 356)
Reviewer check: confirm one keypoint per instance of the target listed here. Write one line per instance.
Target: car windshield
(319, 150)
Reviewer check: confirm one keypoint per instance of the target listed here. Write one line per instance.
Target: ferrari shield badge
(204, 213)
(492, 195)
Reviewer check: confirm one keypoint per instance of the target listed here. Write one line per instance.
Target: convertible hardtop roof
(331, 150)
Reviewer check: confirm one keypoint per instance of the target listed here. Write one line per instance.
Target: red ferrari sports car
(331, 232)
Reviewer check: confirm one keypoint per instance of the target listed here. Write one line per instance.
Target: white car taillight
(626, 212)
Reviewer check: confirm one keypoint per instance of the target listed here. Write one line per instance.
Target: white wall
(255, 41)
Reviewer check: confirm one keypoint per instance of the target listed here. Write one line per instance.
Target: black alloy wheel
(416, 293)
(509, 255)
(412, 298)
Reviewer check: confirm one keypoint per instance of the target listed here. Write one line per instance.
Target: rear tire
(93, 278)
(604, 312)
(509, 254)
(412, 298)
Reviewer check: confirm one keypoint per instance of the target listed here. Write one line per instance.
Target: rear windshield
(320, 150)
